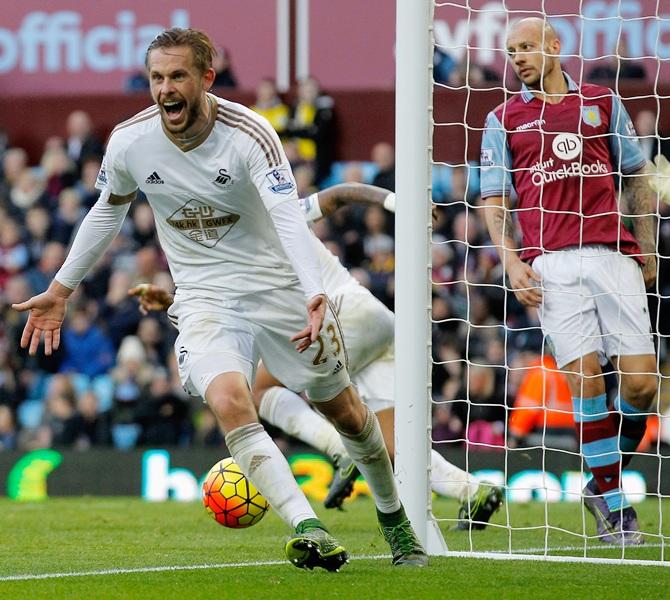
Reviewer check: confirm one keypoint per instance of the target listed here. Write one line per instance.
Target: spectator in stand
(12, 391)
(67, 217)
(87, 349)
(270, 105)
(8, 431)
(14, 162)
(222, 64)
(39, 277)
(163, 415)
(29, 190)
(37, 225)
(543, 406)
(383, 155)
(618, 66)
(117, 310)
(61, 419)
(14, 254)
(93, 426)
(651, 141)
(312, 126)
(144, 226)
(443, 66)
(59, 173)
(86, 185)
(81, 143)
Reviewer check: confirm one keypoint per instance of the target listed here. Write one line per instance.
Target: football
(230, 498)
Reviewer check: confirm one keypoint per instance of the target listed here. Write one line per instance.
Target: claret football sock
(266, 467)
(368, 451)
(598, 433)
(290, 413)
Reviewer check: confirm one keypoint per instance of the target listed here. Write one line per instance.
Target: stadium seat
(125, 435)
(29, 414)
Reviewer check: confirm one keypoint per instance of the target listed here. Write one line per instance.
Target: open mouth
(174, 109)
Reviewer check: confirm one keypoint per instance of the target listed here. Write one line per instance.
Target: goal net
(496, 404)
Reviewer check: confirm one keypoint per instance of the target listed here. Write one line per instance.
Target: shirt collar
(527, 95)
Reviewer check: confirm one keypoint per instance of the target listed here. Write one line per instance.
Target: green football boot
(406, 549)
(475, 513)
(342, 485)
(312, 546)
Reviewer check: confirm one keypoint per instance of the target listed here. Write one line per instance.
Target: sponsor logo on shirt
(280, 181)
(591, 116)
(566, 146)
(154, 178)
(486, 157)
(536, 123)
(574, 169)
(203, 224)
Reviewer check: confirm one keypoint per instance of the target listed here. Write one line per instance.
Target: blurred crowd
(114, 383)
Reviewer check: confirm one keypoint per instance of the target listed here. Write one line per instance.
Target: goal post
(414, 81)
(493, 343)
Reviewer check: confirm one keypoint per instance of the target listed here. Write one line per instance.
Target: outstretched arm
(641, 201)
(337, 196)
(47, 310)
(501, 230)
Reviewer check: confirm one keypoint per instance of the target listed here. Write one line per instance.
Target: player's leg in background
(286, 410)
(637, 390)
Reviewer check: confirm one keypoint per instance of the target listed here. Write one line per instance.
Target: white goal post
(422, 26)
(414, 131)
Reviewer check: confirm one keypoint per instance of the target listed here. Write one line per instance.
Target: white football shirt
(210, 196)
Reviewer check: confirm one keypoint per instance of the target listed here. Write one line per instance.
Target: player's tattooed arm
(524, 281)
(340, 195)
(641, 200)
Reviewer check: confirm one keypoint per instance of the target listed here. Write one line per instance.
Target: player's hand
(316, 313)
(649, 270)
(151, 297)
(47, 311)
(525, 283)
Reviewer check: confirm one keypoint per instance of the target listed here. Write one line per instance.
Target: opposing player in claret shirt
(558, 145)
(244, 264)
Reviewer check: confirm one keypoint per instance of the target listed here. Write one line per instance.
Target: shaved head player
(559, 144)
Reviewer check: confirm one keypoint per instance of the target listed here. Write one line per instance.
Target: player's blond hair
(198, 41)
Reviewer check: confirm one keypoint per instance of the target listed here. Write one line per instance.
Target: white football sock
(288, 411)
(368, 451)
(266, 467)
(448, 480)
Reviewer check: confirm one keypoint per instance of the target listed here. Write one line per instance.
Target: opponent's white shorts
(368, 331)
(375, 383)
(593, 301)
(367, 325)
(220, 336)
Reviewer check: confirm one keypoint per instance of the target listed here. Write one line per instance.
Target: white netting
(493, 375)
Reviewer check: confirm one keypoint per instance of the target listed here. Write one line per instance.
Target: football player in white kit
(243, 262)
(367, 327)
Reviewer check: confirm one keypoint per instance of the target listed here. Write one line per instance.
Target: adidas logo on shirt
(154, 178)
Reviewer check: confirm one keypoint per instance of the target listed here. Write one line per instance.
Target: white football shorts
(368, 331)
(222, 336)
(594, 300)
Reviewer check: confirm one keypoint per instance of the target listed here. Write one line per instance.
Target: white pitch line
(580, 548)
(161, 569)
(517, 555)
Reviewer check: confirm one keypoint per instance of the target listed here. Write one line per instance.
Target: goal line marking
(521, 554)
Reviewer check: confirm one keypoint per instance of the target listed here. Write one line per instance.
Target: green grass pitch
(170, 545)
